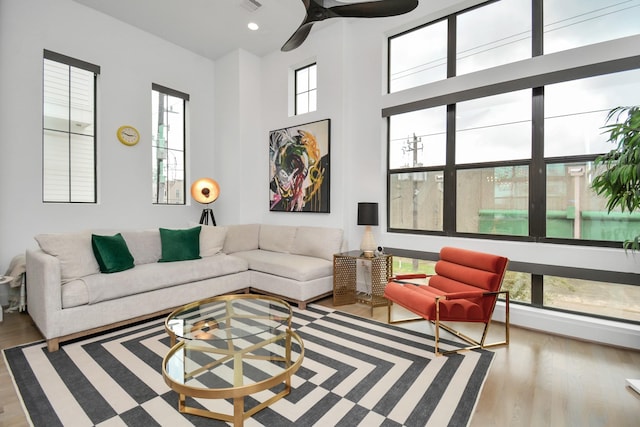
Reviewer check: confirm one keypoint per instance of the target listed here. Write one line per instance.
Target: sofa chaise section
(292, 263)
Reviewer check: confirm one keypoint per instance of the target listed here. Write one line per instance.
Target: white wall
(130, 60)
(325, 48)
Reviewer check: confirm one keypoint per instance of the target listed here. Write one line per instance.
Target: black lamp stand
(204, 218)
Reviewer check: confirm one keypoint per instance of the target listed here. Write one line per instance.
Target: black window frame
(308, 91)
(537, 163)
(185, 98)
(95, 69)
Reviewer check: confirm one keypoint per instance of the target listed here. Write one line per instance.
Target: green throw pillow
(112, 253)
(180, 245)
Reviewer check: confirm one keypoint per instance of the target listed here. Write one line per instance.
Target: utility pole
(413, 145)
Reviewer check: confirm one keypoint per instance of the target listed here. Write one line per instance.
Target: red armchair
(464, 289)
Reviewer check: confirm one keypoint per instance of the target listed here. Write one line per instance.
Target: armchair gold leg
(474, 344)
(403, 320)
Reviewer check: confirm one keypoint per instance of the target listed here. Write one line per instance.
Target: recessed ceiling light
(252, 26)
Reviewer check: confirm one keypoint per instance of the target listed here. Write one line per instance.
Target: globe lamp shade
(205, 190)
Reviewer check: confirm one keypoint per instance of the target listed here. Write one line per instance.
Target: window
(569, 24)
(417, 153)
(593, 297)
(68, 135)
(514, 160)
(494, 128)
(576, 110)
(168, 145)
(306, 90)
(495, 34)
(493, 201)
(410, 67)
(516, 163)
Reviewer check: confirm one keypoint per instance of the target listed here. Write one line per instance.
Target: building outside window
(168, 108)
(69, 131)
(306, 89)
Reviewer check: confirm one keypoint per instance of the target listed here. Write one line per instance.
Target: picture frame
(299, 168)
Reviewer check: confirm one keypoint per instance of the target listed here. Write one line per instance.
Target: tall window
(168, 145)
(516, 164)
(306, 89)
(68, 135)
(515, 160)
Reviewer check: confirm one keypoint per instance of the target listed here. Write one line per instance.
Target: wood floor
(538, 380)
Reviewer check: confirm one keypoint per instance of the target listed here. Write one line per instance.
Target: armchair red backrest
(461, 266)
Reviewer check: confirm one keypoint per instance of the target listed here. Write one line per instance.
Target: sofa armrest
(44, 290)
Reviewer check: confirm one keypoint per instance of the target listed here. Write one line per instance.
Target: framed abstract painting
(299, 168)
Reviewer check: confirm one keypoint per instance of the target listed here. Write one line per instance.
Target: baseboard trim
(585, 328)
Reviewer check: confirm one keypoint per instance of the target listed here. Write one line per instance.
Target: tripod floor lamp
(205, 191)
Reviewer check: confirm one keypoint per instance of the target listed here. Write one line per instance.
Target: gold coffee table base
(268, 351)
(237, 393)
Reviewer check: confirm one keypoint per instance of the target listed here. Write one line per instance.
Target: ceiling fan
(319, 10)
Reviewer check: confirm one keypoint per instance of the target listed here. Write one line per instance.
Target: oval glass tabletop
(228, 317)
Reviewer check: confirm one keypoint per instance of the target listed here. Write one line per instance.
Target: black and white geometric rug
(356, 372)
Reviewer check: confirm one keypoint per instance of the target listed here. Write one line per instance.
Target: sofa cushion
(180, 245)
(243, 237)
(320, 242)
(296, 267)
(74, 252)
(144, 245)
(148, 277)
(112, 253)
(276, 238)
(74, 293)
(212, 240)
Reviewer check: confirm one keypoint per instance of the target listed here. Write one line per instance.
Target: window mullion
(537, 28)
(451, 46)
(537, 170)
(69, 148)
(449, 219)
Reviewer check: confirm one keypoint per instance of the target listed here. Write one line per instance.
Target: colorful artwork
(299, 168)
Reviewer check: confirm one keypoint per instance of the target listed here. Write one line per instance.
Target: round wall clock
(128, 135)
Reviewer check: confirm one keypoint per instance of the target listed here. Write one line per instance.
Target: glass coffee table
(230, 347)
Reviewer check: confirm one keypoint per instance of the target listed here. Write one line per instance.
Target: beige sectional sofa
(68, 296)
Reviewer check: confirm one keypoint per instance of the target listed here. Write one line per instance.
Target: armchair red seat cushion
(462, 280)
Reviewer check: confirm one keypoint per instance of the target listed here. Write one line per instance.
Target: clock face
(128, 135)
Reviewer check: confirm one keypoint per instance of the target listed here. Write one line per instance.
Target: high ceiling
(211, 28)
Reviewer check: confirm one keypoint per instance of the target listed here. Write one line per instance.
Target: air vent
(251, 5)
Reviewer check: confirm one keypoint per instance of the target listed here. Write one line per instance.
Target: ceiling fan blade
(298, 37)
(375, 9)
(319, 10)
